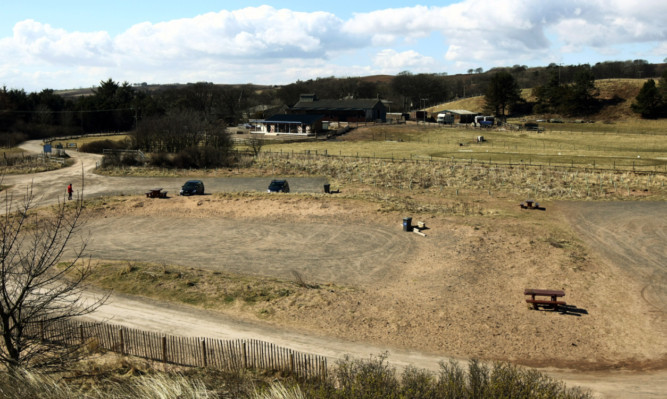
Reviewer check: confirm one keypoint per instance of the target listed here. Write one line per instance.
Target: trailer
(484, 121)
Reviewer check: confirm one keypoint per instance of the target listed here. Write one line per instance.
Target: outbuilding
(460, 115)
(345, 110)
(304, 125)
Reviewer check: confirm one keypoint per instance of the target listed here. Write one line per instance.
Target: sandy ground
(456, 293)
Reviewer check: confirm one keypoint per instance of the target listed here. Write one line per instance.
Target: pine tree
(649, 103)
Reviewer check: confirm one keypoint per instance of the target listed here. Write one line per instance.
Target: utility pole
(423, 105)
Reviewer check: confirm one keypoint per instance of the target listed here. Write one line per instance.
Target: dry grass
(452, 179)
(18, 162)
(115, 377)
(84, 140)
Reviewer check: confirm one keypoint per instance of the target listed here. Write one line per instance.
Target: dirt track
(262, 240)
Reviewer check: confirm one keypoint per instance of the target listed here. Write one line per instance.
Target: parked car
(192, 187)
(278, 186)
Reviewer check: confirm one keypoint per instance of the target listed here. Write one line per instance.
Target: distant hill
(72, 93)
(625, 91)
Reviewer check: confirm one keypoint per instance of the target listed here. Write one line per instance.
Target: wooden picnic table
(156, 193)
(552, 294)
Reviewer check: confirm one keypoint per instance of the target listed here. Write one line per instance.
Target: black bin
(407, 224)
(327, 188)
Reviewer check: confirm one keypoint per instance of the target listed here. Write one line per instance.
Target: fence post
(203, 351)
(122, 341)
(81, 333)
(245, 356)
(291, 362)
(164, 348)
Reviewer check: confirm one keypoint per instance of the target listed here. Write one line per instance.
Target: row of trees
(503, 95)
(117, 107)
(121, 107)
(577, 98)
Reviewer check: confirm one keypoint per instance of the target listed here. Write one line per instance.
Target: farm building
(347, 110)
(397, 117)
(292, 124)
(460, 115)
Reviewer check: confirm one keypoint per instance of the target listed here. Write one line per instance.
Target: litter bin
(407, 224)
(327, 188)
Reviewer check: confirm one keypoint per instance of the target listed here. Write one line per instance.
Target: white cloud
(391, 61)
(38, 41)
(250, 32)
(268, 45)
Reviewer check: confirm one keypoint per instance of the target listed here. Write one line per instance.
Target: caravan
(445, 118)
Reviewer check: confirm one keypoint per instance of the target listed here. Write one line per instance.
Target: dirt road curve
(638, 245)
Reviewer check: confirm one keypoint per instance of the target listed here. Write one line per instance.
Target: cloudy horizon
(46, 47)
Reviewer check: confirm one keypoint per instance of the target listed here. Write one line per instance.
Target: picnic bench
(531, 204)
(156, 193)
(553, 296)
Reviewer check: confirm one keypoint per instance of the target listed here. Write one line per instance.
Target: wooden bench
(552, 294)
(156, 193)
(529, 204)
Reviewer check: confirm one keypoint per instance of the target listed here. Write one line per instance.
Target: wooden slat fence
(220, 354)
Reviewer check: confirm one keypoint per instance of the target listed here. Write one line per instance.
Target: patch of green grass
(203, 288)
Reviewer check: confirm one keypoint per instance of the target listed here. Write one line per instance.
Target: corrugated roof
(339, 105)
(459, 111)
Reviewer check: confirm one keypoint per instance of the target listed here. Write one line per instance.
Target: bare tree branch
(41, 279)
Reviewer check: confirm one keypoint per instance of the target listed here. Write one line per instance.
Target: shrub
(200, 157)
(97, 147)
(372, 378)
(115, 159)
(161, 160)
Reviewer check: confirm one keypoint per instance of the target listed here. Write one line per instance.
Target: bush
(161, 160)
(12, 139)
(97, 147)
(200, 157)
(115, 159)
(375, 379)
(349, 378)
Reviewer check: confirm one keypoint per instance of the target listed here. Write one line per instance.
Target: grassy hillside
(625, 89)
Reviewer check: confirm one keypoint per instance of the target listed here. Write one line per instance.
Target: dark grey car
(192, 187)
(279, 186)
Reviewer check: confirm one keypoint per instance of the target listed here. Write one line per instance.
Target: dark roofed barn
(347, 110)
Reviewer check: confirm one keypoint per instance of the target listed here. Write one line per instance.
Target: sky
(71, 44)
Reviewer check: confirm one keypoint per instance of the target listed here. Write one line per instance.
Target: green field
(595, 147)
